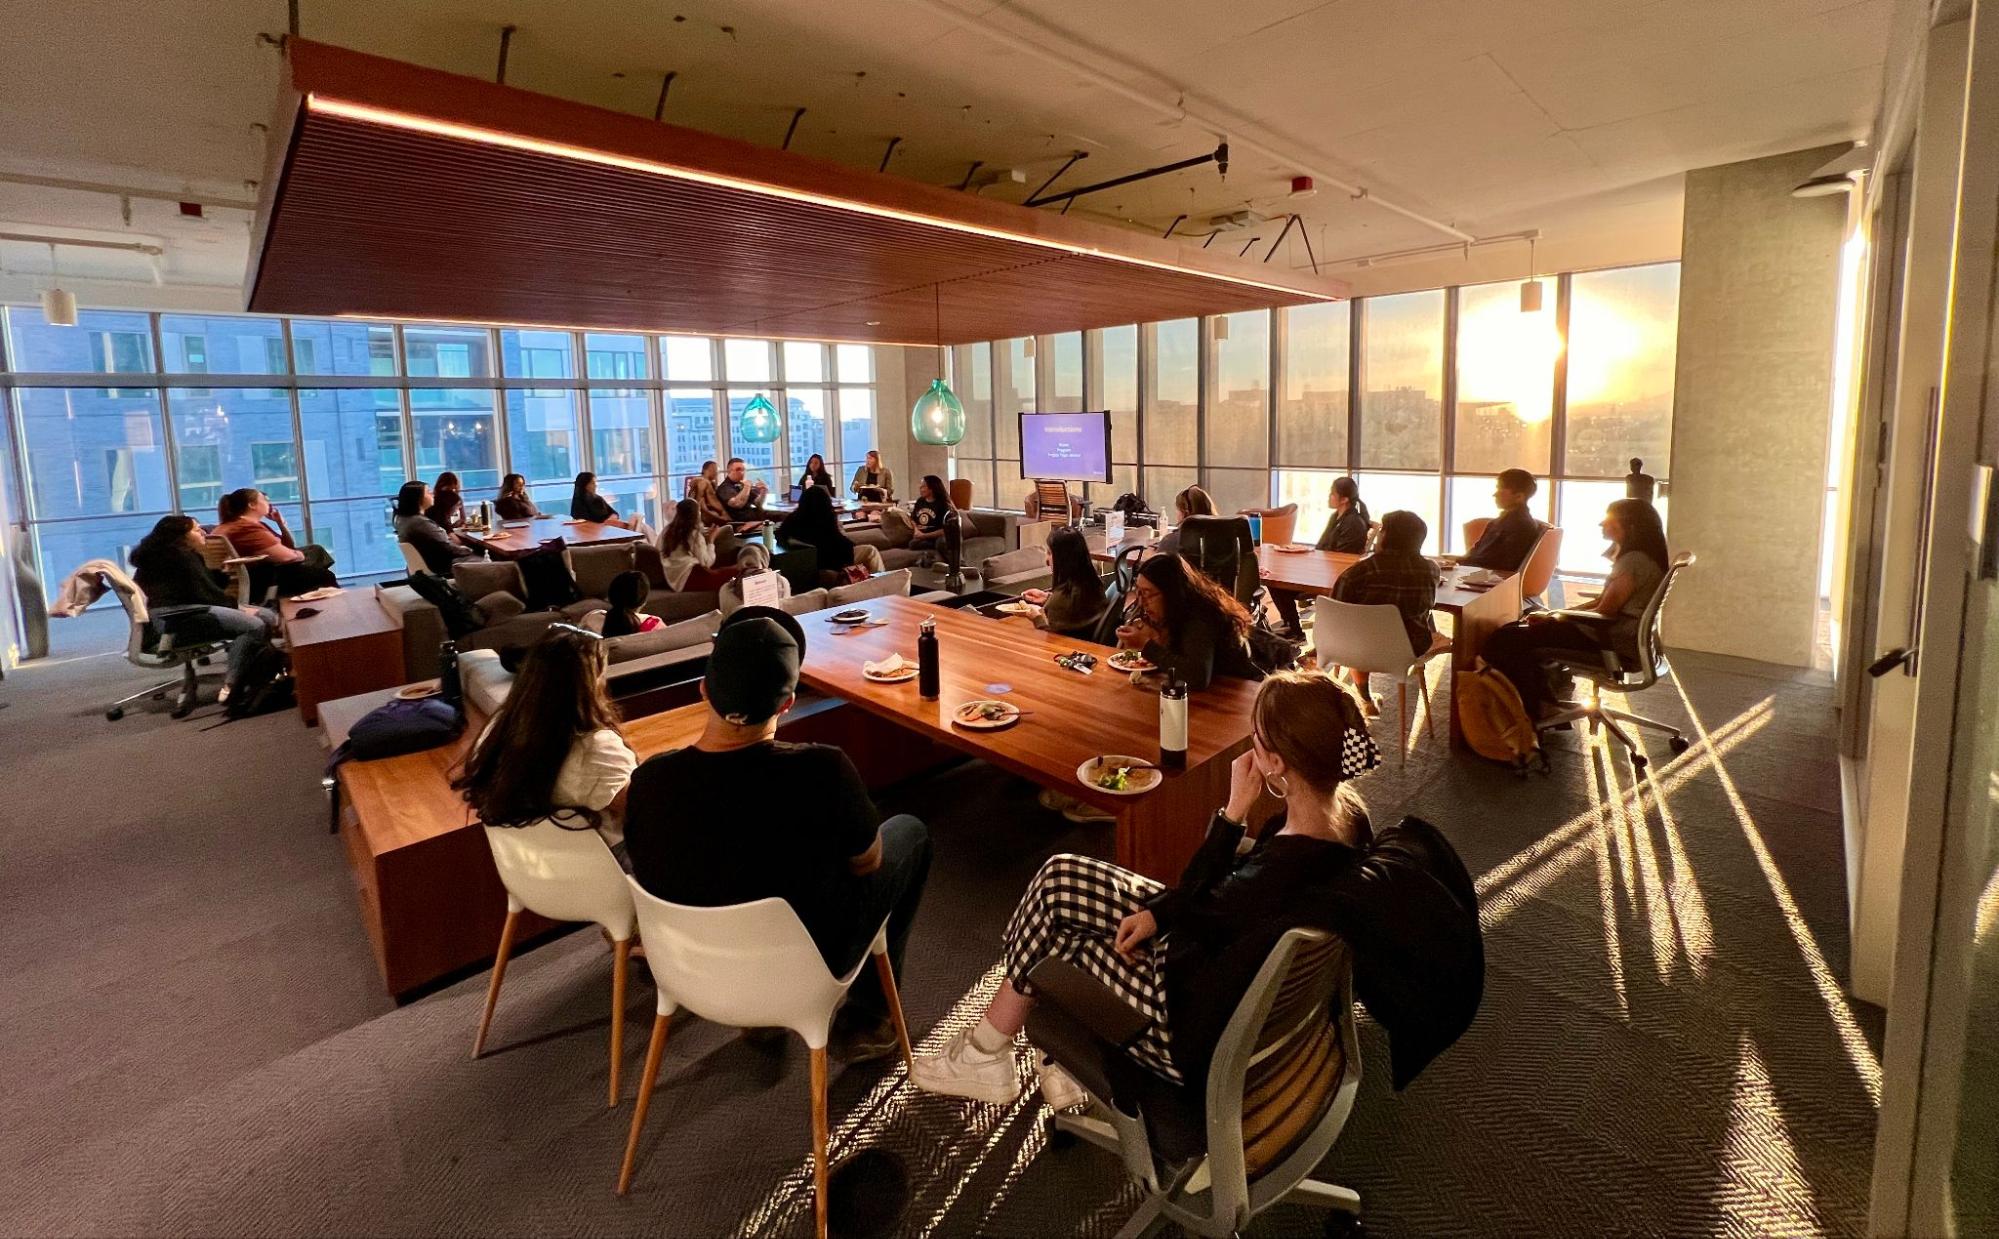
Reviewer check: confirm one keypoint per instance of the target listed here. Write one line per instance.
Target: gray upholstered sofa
(654, 654)
(986, 533)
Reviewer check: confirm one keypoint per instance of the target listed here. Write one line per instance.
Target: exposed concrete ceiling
(1572, 117)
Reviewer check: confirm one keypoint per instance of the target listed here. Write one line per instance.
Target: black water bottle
(1173, 724)
(926, 660)
(448, 686)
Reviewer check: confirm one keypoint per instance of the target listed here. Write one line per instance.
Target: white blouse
(698, 550)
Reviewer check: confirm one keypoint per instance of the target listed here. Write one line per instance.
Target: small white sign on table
(763, 589)
(1113, 529)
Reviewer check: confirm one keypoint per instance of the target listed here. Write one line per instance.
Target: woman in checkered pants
(1182, 956)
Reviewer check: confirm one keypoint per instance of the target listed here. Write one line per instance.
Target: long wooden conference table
(1476, 611)
(511, 540)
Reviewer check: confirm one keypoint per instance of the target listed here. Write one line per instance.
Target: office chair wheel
(114, 714)
(1343, 1225)
(1679, 745)
(1638, 762)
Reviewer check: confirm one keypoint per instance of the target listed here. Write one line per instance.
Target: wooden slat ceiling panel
(386, 218)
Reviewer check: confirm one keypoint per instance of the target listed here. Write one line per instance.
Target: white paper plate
(1141, 781)
(1141, 663)
(984, 724)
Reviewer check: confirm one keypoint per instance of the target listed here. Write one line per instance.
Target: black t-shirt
(928, 514)
(713, 829)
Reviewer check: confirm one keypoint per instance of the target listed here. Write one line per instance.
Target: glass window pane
(760, 457)
(1236, 489)
(689, 359)
(1013, 391)
(1310, 490)
(542, 434)
(972, 381)
(620, 431)
(856, 363)
(804, 362)
(536, 354)
(1623, 336)
(1009, 488)
(1117, 389)
(1582, 508)
(67, 545)
(1171, 413)
(690, 432)
(353, 441)
(858, 435)
(93, 451)
(629, 497)
(607, 356)
(358, 533)
(746, 361)
(1506, 378)
(805, 414)
(979, 472)
(1471, 497)
(220, 344)
(1402, 397)
(226, 438)
(1161, 484)
(1124, 480)
(1406, 492)
(102, 342)
(1238, 425)
(456, 430)
(1062, 380)
(448, 352)
(1312, 411)
(349, 350)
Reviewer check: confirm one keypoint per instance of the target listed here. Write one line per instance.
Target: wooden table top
(1067, 718)
(353, 612)
(507, 543)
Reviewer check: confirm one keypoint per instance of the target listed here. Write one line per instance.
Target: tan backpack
(1495, 722)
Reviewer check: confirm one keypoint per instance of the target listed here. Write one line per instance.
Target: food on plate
(1130, 660)
(986, 711)
(1113, 777)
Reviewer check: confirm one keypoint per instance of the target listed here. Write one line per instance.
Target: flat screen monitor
(1067, 447)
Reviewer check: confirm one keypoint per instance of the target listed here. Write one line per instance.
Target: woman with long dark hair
(438, 546)
(626, 595)
(514, 503)
(447, 501)
(815, 474)
(927, 514)
(1074, 601)
(293, 568)
(585, 504)
(688, 546)
(554, 751)
(1187, 625)
(168, 568)
(813, 524)
(1639, 560)
(1346, 528)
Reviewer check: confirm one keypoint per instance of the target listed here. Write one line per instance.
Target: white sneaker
(1058, 1088)
(1052, 800)
(964, 1070)
(1084, 814)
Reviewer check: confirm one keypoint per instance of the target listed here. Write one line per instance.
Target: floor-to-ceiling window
(130, 416)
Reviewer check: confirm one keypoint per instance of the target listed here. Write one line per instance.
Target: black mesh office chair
(1220, 546)
(1607, 669)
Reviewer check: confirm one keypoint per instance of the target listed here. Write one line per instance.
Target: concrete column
(1759, 289)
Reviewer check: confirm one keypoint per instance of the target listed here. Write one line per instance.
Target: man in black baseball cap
(741, 815)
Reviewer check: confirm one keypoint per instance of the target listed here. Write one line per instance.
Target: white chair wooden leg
(1429, 711)
(654, 1051)
(819, 1142)
(621, 962)
(499, 975)
(1402, 736)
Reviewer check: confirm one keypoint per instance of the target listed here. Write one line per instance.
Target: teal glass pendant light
(759, 423)
(938, 416)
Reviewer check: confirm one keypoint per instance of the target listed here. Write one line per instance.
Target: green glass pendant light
(760, 422)
(938, 416)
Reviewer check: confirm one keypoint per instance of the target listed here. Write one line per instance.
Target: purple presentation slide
(1071, 447)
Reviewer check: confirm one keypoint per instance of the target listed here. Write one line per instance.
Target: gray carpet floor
(195, 1042)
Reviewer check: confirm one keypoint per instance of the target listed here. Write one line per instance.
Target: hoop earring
(1273, 791)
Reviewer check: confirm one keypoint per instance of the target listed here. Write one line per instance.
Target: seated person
(709, 501)
(438, 547)
(295, 569)
(743, 499)
(1190, 502)
(554, 751)
(447, 501)
(1639, 560)
(514, 503)
(1346, 533)
(1510, 538)
(168, 569)
(1074, 601)
(814, 525)
(585, 504)
(873, 483)
(839, 866)
(1396, 574)
(690, 548)
(1188, 626)
(926, 515)
(815, 474)
(1183, 956)
(628, 592)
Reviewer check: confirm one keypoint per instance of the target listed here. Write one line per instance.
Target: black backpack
(460, 614)
(264, 687)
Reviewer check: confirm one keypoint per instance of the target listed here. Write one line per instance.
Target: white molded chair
(411, 558)
(564, 875)
(1371, 639)
(749, 965)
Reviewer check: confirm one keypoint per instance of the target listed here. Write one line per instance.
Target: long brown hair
(1189, 592)
(558, 696)
(1303, 717)
(683, 528)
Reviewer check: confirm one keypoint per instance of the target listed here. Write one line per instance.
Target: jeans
(250, 632)
(1521, 653)
(894, 890)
